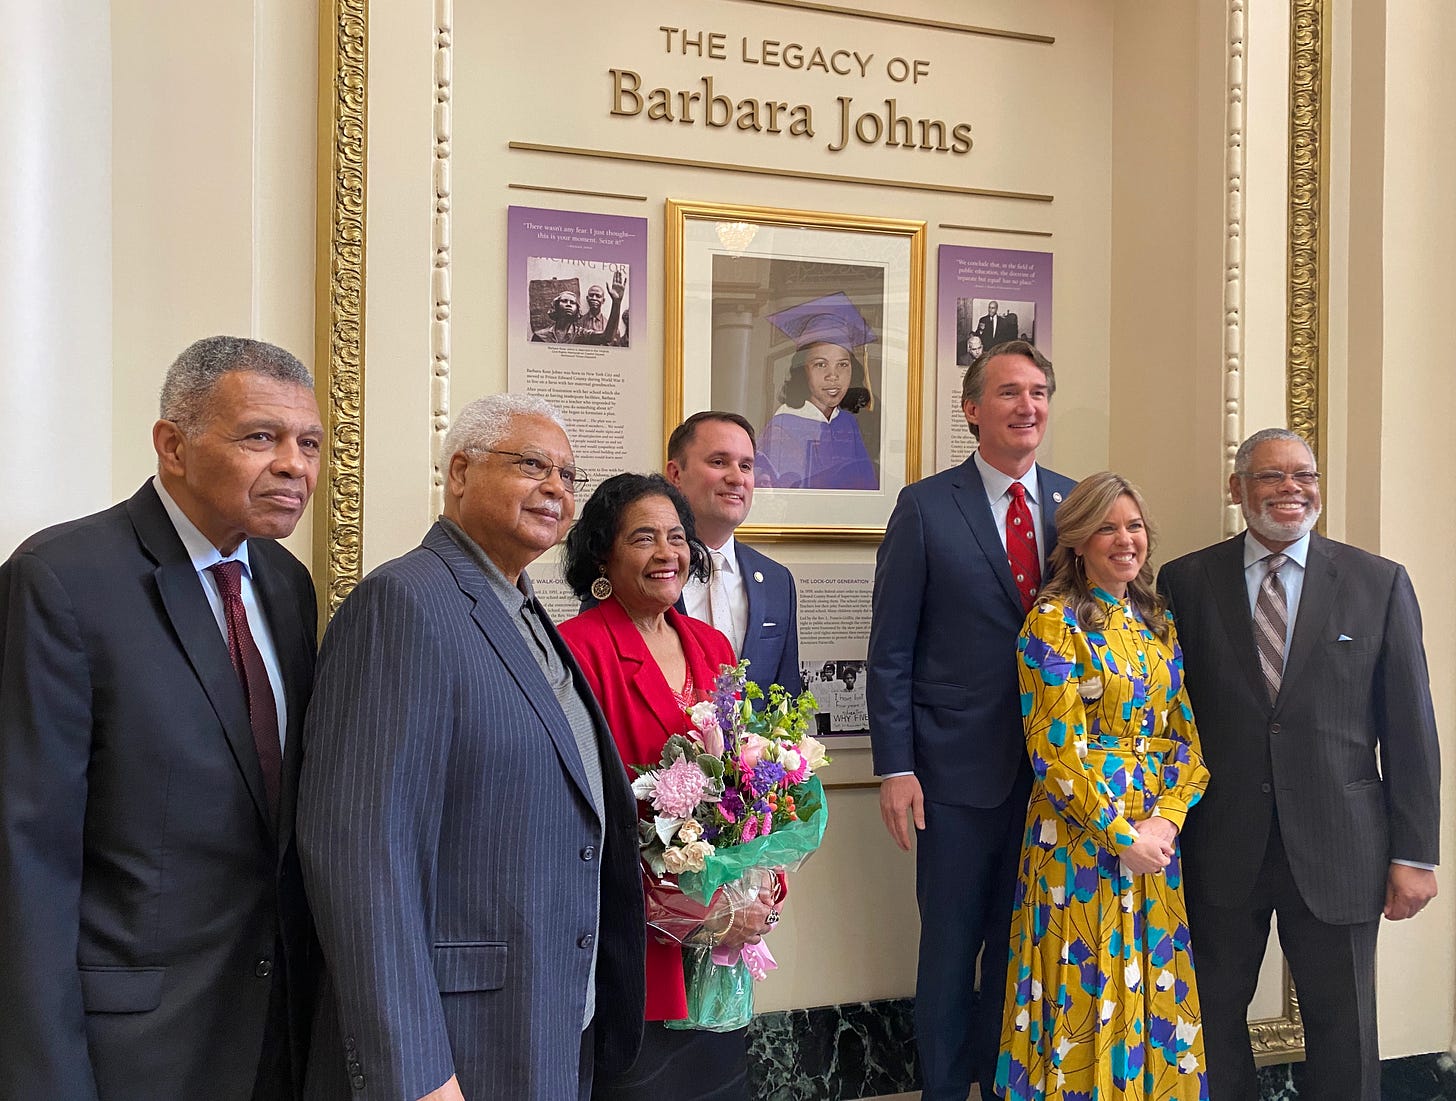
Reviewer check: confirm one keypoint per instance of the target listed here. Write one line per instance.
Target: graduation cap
(832, 319)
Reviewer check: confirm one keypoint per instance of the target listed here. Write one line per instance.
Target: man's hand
(450, 1091)
(1407, 890)
(1161, 830)
(900, 795)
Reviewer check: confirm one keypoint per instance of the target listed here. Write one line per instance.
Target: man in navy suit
(945, 715)
(155, 664)
(750, 597)
(468, 834)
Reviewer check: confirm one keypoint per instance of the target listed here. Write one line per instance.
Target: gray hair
(484, 422)
(187, 390)
(1244, 458)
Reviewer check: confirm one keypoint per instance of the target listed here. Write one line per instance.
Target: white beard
(1276, 531)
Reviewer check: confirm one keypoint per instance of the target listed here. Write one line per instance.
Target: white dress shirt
(697, 596)
(203, 554)
(998, 493)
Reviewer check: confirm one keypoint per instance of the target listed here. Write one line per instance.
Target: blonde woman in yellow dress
(1101, 1000)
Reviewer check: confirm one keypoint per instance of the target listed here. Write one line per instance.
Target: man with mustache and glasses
(1307, 674)
(468, 835)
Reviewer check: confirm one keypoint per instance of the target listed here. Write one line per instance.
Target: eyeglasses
(538, 468)
(1271, 478)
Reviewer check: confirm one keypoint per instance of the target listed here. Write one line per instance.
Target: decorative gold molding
(999, 229)
(339, 310)
(763, 170)
(1279, 1039)
(440, 254)
(908, 20)
(577, 191)
(1233, 256)
(1306, 191)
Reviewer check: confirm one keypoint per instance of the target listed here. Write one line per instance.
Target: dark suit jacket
(451, 851)
(642, 715)
(1347, 754)
(146, 887)
(771, 643)
(942, 692)
(997, 330)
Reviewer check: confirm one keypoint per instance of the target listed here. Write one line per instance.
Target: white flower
(675, 859)
(1186, 1032)
(1063, 1048)
(1059, 899)
(1065, 785)
(1048, 835)
(1023, 1019)
(1165, 979)
(704, 717)
(1108, 1005)
(1035, 990)
(790, 758)
(1080, 745)
(1188, 1064)
(1127, 899)
(812, 750)
(1090, 688)
(1132, 974)
(691, 830)
(695, 854)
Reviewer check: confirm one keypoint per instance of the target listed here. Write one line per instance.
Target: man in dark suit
(468, 834)
(945, 715)
(750, 597)
(157, 944)
(995, 327)
(1308, 680)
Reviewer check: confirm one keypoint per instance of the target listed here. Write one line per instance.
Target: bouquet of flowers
(732, 806)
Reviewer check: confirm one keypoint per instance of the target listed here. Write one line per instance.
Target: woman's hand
(1147, 855)
(751, 921)
(1162, 829)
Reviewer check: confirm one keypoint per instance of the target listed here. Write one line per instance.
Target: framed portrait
(810, 326)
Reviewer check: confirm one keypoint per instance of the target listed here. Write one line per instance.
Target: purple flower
(766, 775)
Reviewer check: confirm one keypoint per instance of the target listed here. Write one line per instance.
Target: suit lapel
(499, 628)
(294, 648)
(654, 696)
(1049, 500)
(753, 586)
(969, 494)
(1230, 592)
(191, 617)
(1317, 597)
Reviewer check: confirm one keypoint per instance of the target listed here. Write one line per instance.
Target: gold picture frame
(730, 271)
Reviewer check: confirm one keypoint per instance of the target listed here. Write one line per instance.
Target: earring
(601, 588)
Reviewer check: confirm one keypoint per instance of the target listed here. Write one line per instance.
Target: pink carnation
(767, 827)
(750, 827)
(679, 788)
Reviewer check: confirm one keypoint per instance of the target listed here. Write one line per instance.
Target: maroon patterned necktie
(1021, 547)
(262, 709)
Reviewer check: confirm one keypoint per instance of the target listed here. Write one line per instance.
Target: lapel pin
(1057, 497)
(757, 576)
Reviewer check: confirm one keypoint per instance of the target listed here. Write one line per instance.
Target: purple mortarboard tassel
(833, 319)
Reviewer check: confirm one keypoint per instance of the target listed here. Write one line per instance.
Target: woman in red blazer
(632, 549)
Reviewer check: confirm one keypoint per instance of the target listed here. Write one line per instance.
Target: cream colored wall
(213, 145)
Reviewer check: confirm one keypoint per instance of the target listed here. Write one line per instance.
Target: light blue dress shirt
(203, 554)
(1291, 576)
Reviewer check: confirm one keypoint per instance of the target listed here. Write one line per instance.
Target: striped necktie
(1271, 624)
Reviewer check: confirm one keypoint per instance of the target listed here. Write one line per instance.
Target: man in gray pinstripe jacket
(467, 831)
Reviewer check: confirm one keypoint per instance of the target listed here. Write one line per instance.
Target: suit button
(585, 941)
(263, 968)
(357, 1081)
(1265, 788)
(589, 852)
(348, 1043)
(1273, 728)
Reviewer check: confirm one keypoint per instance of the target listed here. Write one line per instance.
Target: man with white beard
(1308, 680)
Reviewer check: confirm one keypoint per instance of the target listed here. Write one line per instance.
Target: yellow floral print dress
(1101, 1001)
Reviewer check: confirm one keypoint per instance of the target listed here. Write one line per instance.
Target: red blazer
(642, 714)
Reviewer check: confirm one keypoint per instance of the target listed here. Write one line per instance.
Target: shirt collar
(808, 411)
(730, 555)
(513, 597)
(1255, 551)
(199, 547)
(997, 484)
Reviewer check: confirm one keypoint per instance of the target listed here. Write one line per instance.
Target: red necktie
(1021, 547)
(262, 709)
